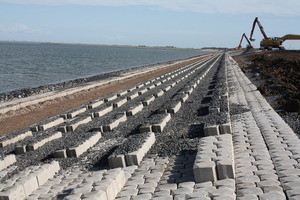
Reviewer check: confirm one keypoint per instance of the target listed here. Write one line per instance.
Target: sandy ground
(24, 117)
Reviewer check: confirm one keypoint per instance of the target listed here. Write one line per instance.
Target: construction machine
(274, 42)
(240, 45)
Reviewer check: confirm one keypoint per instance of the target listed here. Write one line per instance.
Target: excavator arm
(240, 45)
(260, 27)
(291, 37)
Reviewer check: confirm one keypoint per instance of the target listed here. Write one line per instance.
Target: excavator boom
(260, 27)
(240, 45)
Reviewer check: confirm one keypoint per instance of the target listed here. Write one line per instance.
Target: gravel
(181, 134)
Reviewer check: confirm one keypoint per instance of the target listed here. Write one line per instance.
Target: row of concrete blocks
(15, 139)
(7, 161)
(132, 158)
(21, 149)
(24, 183)
(159, 124)
(215, 159)
(75, 152)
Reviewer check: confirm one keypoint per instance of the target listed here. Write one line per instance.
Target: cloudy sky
(180, 23)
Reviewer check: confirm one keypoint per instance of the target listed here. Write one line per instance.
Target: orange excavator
(274, 42)
(240, 45)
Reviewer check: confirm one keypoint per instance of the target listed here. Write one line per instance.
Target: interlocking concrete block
(13, 193)
(205, 171)
(51, 124)
(225, 128)
(210, 130)
(46, 172)
(272, 195)
(9, 160)
(75, 113)
(95, 195)
(225, 169)
(116, 161)
(72, 127)
(30, 185)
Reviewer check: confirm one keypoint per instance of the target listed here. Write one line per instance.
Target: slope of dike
(202, 130)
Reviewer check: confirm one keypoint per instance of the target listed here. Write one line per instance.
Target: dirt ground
(25, 117)
(277, 76)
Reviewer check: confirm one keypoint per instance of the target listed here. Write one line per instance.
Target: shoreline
(21, 113)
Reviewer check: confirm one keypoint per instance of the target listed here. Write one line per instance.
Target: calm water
(24, 65)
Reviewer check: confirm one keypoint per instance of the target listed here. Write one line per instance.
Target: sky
(179, 23)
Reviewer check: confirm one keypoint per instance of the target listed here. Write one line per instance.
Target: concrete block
(210, 130)
(97, 195)
(72, 127)
(60, 154)
(167, 88)
(148, 100)
(145, 129)
(32, 147)
(51, 124)
(15, 139)
(111, 98)
(46, 172)
(132, 96)
(21, 149)
(120, 117)
(95, 104)
(161, 125)
(142, 91)
(225, 169)
(15, 192)
(205, 171)
(117, 161)
(225, 128)
(103, 111)
(119, 103)
(133, 110)
(30, 184)
(75, 113)
(159, 94)
(9, 160)
(174, 108)
(108, 186)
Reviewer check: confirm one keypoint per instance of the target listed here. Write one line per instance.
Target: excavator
(274, 42)
(240, 45)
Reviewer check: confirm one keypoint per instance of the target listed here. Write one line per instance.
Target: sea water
(29, 65)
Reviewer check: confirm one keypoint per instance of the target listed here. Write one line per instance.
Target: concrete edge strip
(7, 161)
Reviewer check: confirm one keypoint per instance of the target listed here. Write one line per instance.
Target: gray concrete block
(13, 193)
(30, 185)
(205, 171)
(60, 154)
(72, 127)
(15, 139)
(116, 161)
(148, 100)
(95, 104)
(225, 128)
(21, 149)
(210, 130)
(111, 98)
(103, 111)
(225, 169)
(145, 128)
(75, 113)
(133, 110)
(132, 96)
(51, 124)
(119, 103)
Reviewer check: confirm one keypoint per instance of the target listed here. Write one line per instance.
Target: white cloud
(276, 7)
(19, 28)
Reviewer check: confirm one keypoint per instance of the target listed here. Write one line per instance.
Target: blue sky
(180, 23)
